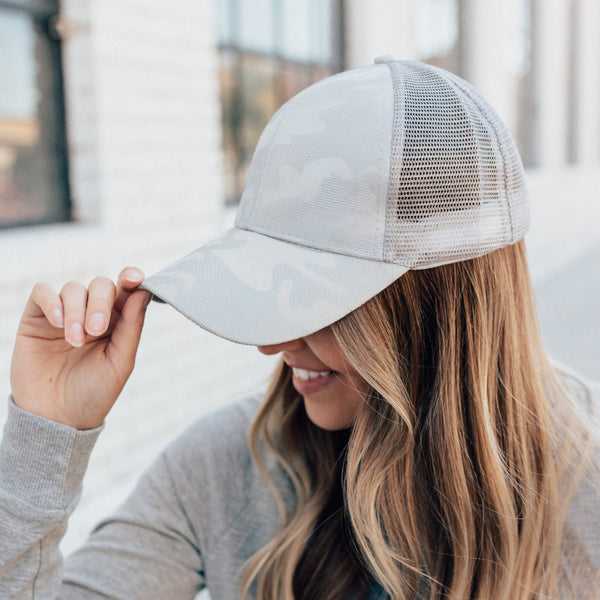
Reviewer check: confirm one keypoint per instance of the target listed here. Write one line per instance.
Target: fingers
(126, 336)
(85, 311)
(101, 298)
(45, 301)
(129, 279)
(74, 299)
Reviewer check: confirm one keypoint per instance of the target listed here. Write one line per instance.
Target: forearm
(42, 464)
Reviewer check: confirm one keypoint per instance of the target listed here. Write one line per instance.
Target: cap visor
(253, 289)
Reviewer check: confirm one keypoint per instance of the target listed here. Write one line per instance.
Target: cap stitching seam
(264, 166)
(380, 183)
(395, 148)
(297, 238)
(501, 150)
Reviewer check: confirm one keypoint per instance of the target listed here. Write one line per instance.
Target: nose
(290, 346)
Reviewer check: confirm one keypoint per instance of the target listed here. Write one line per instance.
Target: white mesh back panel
(456, 176)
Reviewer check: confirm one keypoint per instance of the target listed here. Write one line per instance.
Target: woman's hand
(75, 350)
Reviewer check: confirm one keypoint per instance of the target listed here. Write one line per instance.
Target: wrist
(49, 411)
(43, 461)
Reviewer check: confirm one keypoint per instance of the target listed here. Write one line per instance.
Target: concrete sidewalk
(563, 250)
(569, 312)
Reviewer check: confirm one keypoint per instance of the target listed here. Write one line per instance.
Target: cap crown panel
(320, 172)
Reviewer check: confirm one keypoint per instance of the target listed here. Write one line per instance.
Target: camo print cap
(357, 179)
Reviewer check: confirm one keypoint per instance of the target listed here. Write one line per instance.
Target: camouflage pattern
(253, 289)
(319, 175)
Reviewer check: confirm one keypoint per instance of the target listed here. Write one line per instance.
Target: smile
(307, 375)
(310, 382)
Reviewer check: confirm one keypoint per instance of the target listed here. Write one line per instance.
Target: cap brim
(253, 289)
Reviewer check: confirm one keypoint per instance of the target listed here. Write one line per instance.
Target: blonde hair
(455, 478)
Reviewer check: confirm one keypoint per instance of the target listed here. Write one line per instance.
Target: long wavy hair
(455, 478)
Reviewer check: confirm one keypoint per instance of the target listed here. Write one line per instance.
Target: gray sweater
(193, 520)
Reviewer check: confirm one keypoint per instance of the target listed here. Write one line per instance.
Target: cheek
(350, 395)
(361, 385)
(357, 388)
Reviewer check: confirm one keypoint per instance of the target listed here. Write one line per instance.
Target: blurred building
(126, 127)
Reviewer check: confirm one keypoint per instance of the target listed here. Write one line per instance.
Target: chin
(328, 418)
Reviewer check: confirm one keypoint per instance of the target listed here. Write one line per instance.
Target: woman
(415, 441)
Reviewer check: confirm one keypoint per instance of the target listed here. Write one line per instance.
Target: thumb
(126, 335)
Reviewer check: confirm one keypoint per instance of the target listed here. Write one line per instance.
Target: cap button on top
(384, 58)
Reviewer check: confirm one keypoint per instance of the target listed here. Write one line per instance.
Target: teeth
(306, 375)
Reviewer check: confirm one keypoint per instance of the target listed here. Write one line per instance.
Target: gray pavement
(569, 312)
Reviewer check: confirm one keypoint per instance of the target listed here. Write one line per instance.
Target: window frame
(44, 14)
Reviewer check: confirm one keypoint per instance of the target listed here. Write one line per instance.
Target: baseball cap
(357, 179)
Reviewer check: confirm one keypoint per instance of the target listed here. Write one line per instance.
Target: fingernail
(134, 275)
(96, 323)
(76, 335)
(57, 315)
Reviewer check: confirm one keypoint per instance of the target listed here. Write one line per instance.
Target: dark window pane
(294, 77)
(249, 99)
(257, 83)
(231, 115)
(33, 185)
(282, 46)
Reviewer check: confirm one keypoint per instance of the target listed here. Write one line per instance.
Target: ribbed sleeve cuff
(43, 462)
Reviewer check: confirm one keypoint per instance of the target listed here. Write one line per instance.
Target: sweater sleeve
(147, 549)
(42, 464)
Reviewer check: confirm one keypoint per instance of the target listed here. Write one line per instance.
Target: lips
(309, 382)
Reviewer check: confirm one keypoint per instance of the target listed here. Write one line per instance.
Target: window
(269, 51)
(436, 33)
(33, 168)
